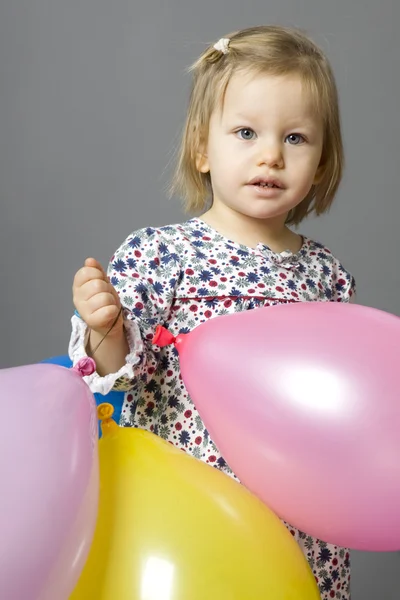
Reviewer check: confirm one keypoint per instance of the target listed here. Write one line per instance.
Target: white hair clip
(222, 45)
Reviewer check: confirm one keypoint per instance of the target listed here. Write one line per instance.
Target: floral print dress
(179, 276)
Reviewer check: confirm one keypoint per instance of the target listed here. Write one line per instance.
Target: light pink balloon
(303, 401)
(49, 480)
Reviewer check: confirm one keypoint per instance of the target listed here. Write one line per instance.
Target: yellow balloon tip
(105, 410)
(104, 413)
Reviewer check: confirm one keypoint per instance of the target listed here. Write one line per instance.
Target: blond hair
(262, 50)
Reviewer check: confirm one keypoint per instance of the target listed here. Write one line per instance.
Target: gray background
(92, 98)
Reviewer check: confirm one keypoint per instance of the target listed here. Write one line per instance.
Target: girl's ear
(202, 162)
(319, 175)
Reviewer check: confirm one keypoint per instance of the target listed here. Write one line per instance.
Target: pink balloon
(303, 402)
(49, 480)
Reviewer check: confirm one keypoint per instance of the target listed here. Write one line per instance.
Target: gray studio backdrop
(92, 98)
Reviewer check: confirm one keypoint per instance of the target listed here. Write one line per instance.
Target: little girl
(261, 150)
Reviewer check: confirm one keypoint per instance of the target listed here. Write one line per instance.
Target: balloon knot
(105, 410)
(163, 337)
(85, 366)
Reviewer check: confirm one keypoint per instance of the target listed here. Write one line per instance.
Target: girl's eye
(246, 133)
(295, 138)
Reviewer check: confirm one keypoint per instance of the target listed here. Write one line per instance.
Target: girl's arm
(143, 273)
(109, 352)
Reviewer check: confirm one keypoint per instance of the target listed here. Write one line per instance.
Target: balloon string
(106, 334)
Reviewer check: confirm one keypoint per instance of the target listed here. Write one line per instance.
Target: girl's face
(264, 146)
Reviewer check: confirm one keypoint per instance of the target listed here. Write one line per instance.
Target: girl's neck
(251, 231)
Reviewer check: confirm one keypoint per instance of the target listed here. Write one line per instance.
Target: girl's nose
(271, 155)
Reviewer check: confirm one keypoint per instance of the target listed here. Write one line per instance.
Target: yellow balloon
(173, 528)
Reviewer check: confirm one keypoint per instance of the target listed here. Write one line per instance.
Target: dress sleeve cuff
(126, 374)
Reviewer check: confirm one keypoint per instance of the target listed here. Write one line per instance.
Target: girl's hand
(96, 300)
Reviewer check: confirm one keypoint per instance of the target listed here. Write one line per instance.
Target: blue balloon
(113, 397)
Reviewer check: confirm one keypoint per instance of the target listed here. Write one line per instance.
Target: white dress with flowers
(179, 276)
